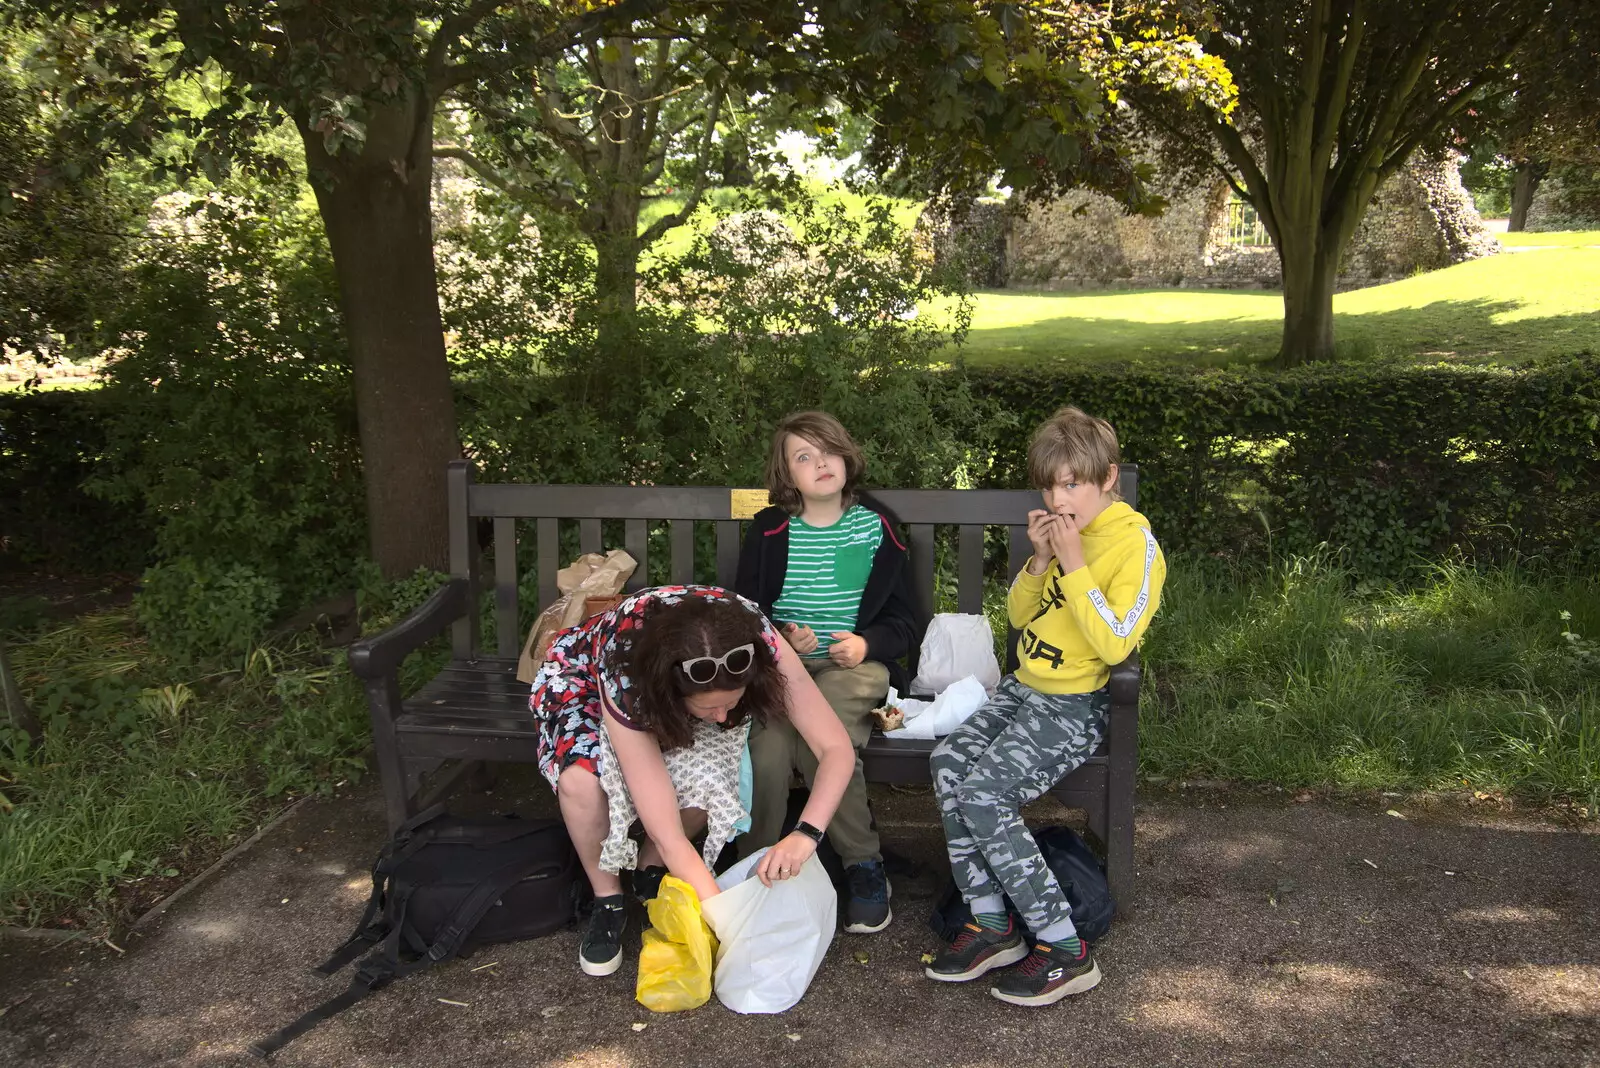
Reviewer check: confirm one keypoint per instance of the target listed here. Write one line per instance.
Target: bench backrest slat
(924, 563)
(969, 575)
(590, 538)
(549, 560)
(611, 502)
(727, 553)
(636, 539)
(970, 511)
(463, 555)
(505, 587)
(682, 573)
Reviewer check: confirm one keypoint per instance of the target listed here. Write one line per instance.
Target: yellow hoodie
(1075, 626)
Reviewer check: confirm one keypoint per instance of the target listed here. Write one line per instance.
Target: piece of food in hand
(888, 719)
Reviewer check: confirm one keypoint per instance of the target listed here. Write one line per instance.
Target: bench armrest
(1125, 682)
(381, 654)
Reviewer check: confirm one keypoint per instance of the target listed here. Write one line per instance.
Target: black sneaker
(647, 881)
(1046, 977)
(601, 951)
(977, 950)
(867, 911)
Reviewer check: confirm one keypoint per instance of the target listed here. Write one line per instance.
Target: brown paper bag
(588, 585)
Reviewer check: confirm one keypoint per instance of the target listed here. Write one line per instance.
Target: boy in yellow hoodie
(1082, 603)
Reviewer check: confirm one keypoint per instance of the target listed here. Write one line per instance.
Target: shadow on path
(1261, 934)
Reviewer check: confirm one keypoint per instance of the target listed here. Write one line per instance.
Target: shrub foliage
(756, 320)
(1389, 466)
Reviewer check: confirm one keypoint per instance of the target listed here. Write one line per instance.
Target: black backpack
(1077, 869)
(442, 885)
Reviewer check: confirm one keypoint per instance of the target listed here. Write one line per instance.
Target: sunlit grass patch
(1532, 239)
(1502, 308)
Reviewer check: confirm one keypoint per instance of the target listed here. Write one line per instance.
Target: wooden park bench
(476, 710)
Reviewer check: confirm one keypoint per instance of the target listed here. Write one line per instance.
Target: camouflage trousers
(1012, 750)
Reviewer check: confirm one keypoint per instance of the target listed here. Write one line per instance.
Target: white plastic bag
(954, 647)
(771, 940)
(937, 718)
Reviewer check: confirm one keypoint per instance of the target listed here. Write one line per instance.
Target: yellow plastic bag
(679, 951)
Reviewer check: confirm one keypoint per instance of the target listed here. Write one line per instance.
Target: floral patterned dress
(566, 701)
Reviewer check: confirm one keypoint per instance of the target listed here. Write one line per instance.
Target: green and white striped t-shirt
(827, 573)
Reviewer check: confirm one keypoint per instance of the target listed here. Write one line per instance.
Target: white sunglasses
(703, 669)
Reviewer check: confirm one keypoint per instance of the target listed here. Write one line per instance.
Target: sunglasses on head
(702, 669)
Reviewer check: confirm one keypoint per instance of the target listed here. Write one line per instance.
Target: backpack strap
(371, 928)
(384, 965)
(429, 813)
(380, 969)
(408, 838)
(472, 908)
(487, 834)
(372, 976)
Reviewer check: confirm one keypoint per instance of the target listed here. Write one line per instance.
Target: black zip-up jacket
(889, 619)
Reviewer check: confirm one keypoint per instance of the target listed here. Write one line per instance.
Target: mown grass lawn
(1505, 308)
(1567, 238)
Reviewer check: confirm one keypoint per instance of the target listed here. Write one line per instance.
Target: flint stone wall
(1421, 219)
(1554, 208)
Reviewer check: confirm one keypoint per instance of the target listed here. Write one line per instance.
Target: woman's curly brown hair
(671, 633)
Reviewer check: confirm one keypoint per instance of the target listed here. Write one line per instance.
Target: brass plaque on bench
(745, 503)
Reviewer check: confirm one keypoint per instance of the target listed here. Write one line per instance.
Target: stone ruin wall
(1421, 219)
(1553, 209)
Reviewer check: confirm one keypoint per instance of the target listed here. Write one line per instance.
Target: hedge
(1389, 464)
(1393, 466)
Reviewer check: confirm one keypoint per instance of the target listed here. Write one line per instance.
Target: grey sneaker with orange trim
(1047, 976)
(977, 950)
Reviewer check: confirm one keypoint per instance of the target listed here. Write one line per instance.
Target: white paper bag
(954, 647)
(937, 718)
(771, 940)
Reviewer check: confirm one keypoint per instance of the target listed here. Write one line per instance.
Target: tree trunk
(1308, 278)
(21, 716)
(617, 290)
(379, 216)
(616, 185)
(1528, 176)
(617, 271)
(736, 169)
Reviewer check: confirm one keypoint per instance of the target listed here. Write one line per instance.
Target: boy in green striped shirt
(827, 568)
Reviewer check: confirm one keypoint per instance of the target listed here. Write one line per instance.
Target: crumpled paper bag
(590, 578)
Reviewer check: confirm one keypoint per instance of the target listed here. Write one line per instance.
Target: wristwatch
(809, 831)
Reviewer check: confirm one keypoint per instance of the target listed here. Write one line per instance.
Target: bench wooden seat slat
(448, 720)
(476, 709)
(471, 701)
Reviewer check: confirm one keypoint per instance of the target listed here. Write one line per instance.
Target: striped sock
(993, 921)
(1071, 948)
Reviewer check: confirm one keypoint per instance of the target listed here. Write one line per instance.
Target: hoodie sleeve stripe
(1125, 626)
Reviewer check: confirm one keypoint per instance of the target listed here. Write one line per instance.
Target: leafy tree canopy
(960, 89)
(1334, 96)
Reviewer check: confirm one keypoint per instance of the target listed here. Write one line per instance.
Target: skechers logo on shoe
(1055, 973)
